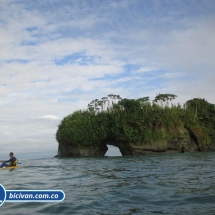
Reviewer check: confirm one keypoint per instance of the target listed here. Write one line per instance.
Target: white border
(30, 200)
(4, 195)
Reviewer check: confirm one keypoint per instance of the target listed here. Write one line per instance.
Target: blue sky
(58, 55)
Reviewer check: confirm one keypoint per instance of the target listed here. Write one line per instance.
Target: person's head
(11, 154)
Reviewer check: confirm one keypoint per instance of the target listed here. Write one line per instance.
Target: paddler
(12, 161)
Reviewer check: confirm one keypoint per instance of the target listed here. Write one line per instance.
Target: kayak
(10, 167)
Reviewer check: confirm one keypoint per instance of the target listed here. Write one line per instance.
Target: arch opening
(113, 151)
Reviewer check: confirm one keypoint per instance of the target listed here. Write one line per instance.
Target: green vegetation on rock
(139, 122)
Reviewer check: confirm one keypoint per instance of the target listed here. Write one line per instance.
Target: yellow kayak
(10, 167)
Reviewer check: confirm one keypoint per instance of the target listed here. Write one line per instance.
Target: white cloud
(52, 117)
(57, 56)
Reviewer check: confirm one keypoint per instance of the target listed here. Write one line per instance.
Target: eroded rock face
(197, 141)
(207, 147)
(75, 150)
(183, 145)
(157, 146)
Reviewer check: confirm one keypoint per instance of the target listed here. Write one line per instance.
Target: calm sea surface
(150, 184)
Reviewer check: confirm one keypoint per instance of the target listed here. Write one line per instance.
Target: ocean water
(150, 184)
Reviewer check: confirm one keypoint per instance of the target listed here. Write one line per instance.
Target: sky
(56, 56)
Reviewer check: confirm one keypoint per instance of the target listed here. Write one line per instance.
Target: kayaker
(12, 161)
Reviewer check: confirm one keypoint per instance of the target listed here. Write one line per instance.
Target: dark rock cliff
(187, 141)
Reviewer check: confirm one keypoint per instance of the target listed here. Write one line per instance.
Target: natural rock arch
(126, 149)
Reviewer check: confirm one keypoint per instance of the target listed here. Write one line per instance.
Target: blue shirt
(13, 159)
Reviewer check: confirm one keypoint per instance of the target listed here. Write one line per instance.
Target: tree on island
(138, 122)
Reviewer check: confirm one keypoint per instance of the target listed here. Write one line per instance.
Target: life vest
(14, 163)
